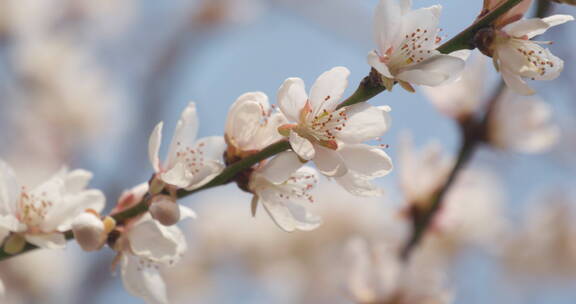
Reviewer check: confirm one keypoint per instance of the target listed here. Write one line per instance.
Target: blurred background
(83, 82)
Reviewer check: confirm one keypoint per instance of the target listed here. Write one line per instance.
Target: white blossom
(422, 172)
(190, 163)
(41, 215)
(518, 57)
(522, 124)
(322, 128)
(377, 275)
(407, 41)
(146, 247)
(252, 124)
(282, 186)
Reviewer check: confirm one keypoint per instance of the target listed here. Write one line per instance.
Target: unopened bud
(14, 244)
(89, 231)
(165, 210)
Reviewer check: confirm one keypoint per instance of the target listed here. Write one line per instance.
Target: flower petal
(292, 97)
(433, 71)
(387, 22)
(302, 146)
(154, 241)
(358, 185)
(245, 117)
(374, 61)
(328, 89)
(515, 82)
(61, 217)
(9, 190)
(366, 160)
(154, 147)
(185, 133)
(142, 279)
(281, 167)
(47, 240)
(364, 122)
(77, 180)
(287, 215)
(329, 162)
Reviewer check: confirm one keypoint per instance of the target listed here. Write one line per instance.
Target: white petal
(328, 89)
(177, 176)
(374, 61)
(245, 117)
(292, 97)
(288, 216)
(186, 212)
(433, 71)
(329, 162)
(515, 82)
(76, 181)
(364, 122)
(268, 133)
(212, 147)
(558, 19)
(69, 207)
(387, 22)
(8, 223)
(405, 6)
(154, 147)
(185, 133)
(9, 190)
(281, 167)
(302, 146)
(529, 27)
(358, 185)
(154, 241)
(47, 240)
(208, 172)
(366, 160)
(143, 280)
(535, 26)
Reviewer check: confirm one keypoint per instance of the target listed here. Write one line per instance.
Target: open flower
(407, 41)
(145, 248)
(321, 126)
(251, 125)
(522, 124)
(190, 163)
(518, 57)
(41, 215)
(282, 186)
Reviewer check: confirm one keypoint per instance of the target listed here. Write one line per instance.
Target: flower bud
(165, 210)
(89, 231)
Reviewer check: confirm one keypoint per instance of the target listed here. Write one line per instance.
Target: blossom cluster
(279, 153)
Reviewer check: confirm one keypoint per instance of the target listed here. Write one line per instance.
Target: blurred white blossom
(41, 215)
(522, 124)
(377, 275)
